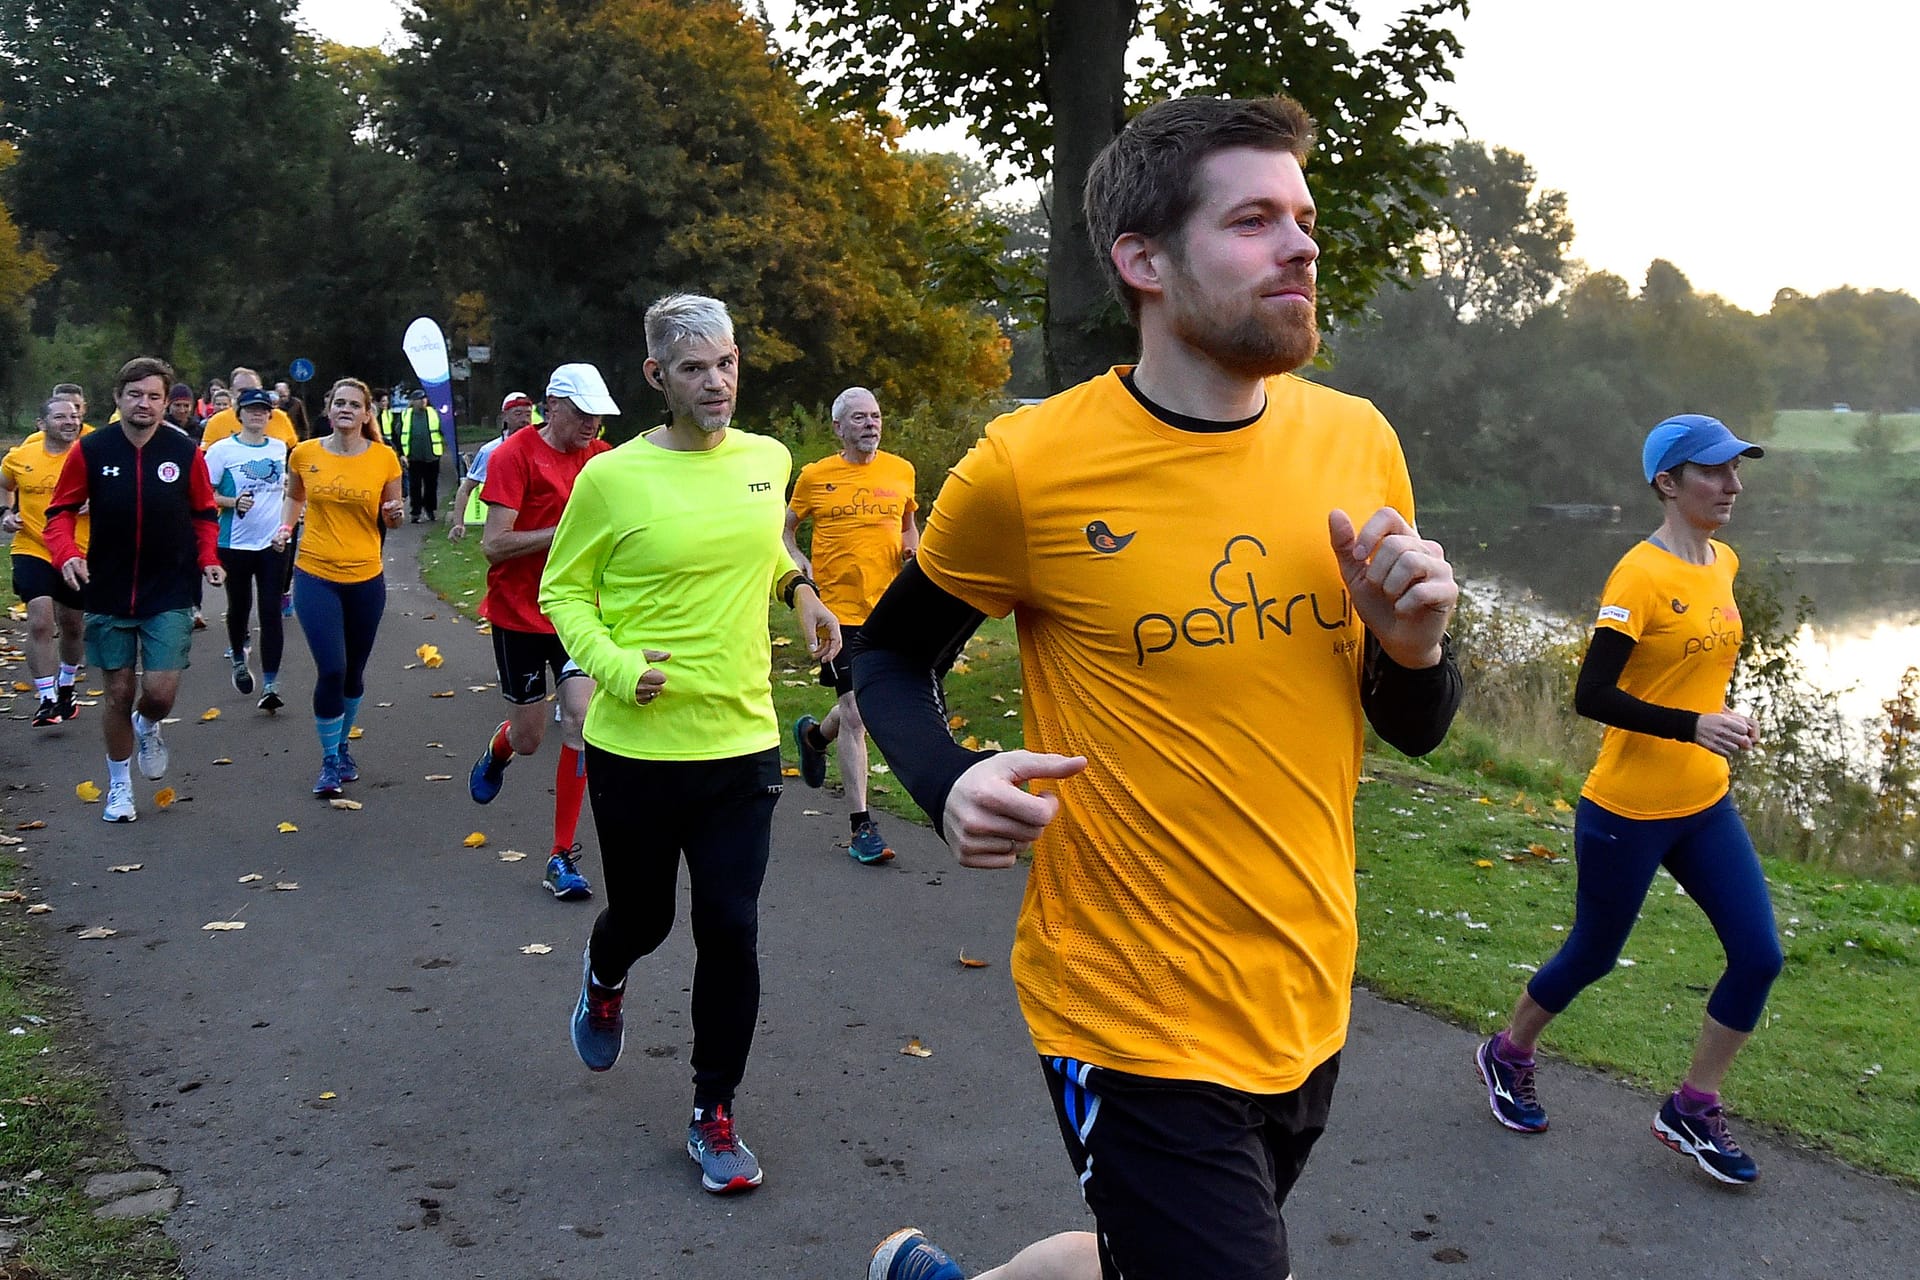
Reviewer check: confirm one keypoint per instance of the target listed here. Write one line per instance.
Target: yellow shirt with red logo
(33, 472)
(1686, 633)
(857, 510)
(1183, 624)
(227, 423)
(341, 542)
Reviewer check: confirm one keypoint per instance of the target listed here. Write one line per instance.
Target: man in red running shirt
(529, 479)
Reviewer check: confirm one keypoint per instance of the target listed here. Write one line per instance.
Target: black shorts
(523, 658)
(1186, 1178)
(34, 577)
(836, 673)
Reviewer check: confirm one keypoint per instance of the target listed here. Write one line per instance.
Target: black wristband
(798, 580)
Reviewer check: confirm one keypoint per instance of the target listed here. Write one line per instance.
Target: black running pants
(250, 573)
(718, 815)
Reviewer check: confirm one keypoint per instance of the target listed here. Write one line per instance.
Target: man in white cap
(528, 481)
(516, 411)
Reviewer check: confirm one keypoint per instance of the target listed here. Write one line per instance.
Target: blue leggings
(340, 620)
(1712, 858)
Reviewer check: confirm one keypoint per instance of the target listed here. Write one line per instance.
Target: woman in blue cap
(1656, 674)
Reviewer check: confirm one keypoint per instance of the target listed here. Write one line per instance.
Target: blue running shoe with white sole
(1510, 1092)
(599, 1028)
(327, 785)
(488, 774)
(564, 880)
(727, 1164)
(1705, 1138)
(909, 1255)
(349, 768)
(813, 761)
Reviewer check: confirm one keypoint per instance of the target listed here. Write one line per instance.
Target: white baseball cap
(582, 384)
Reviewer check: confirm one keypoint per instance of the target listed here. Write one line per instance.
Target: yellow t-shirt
(1183, 624)
(33, 472)
(227, 423)
(1686, 633)
(341, 542)
(857, 510)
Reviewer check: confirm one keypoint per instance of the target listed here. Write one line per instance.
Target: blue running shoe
(1510, 1092)
(868, 846)
(328, 785)
(813, 761)
(349, 769)
(599, 1029)
(727, 1164)
(564, 879)
(1705, 1138)
(908, 1255)
(487, 774)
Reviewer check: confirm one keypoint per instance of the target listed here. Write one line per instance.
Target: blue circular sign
(301, 370)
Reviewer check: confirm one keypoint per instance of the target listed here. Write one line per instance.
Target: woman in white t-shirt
(249, 474)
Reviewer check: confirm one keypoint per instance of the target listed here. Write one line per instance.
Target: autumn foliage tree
(1043, 86)
(578, 159)
(22, 269)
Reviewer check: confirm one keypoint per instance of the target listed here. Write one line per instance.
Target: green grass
(1835, 1062)
(1822, 431)
(58, 1132)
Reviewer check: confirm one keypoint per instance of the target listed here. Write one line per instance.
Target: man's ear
(651, 371)
(1139, 261)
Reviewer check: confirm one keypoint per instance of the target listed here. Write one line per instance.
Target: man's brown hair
(1142, 183)
(139, 369)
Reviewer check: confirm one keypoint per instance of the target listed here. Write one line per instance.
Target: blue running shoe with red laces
(1705, 1138)
(909, 1255)
(727, 1164)
(599, 1028)
(488, 773)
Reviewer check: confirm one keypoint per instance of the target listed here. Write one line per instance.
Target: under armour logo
(109, 471)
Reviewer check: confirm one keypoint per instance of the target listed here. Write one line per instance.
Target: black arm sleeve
(1410, 709)
(899, 659)
(1597, 694)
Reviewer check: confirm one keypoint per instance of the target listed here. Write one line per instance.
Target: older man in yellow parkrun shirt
(861, 503)
(1202, 629)
(658, 584)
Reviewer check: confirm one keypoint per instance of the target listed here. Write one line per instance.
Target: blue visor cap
(254, 398)
(1692, 437)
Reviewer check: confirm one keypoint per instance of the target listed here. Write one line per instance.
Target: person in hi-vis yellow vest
(417, 439)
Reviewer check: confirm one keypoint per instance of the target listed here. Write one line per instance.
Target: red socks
(502, 745)
(569, 787)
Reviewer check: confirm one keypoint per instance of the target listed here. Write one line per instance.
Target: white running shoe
(119, 804)
(152, 753)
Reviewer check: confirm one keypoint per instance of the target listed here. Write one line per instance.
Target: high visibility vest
(433, 430)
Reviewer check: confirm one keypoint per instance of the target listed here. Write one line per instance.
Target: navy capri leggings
(1711, 856)
(340, 620)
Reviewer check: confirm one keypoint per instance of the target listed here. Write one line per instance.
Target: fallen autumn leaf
(535, 949)
(88, 791)
(475, 840)
(96, 933)
(914, 1049)
(211, 713)
(222, 926)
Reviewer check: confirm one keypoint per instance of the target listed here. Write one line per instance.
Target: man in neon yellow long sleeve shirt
(658, 585)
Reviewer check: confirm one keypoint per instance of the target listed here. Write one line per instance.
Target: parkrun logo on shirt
(867, 502)
(1723, 632)
(336, 489)
(1245, 612)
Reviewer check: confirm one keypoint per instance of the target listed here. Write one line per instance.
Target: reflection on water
(1866, 627)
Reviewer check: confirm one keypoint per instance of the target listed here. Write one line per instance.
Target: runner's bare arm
(500, 541)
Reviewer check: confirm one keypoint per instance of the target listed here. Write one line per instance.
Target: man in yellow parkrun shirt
(28, 475)
(227, 422)
(1203, 626)
(861, 503)
(658, 583)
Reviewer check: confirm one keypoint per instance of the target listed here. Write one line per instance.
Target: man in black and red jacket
(155, 530)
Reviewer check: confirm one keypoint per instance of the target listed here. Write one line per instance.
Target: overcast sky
(1756, 144)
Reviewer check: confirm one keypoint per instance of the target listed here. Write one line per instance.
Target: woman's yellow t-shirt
(342, 538)
(1686, 633)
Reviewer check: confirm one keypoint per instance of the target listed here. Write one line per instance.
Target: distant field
(1821, 431)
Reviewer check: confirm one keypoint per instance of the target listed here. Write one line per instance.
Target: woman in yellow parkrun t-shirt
(1656, 674)
(347, 484)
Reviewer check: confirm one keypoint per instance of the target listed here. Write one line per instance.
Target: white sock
(119, 772)
(43, 685)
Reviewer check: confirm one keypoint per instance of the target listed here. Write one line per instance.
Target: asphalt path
(373, 1078)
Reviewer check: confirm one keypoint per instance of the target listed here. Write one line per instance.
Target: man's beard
(1252, 343)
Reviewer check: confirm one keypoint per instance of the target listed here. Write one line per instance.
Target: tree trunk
(1086, 329)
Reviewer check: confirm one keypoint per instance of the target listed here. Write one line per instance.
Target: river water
(1865, 631)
